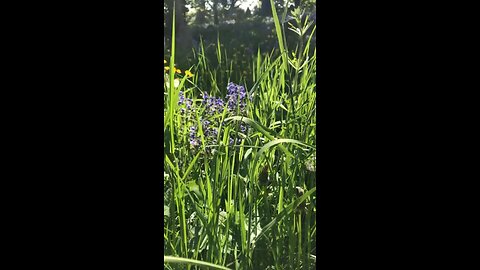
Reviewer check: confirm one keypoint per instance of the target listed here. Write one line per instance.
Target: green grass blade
(171, 259)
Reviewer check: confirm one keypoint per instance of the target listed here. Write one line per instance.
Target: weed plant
(240, 186)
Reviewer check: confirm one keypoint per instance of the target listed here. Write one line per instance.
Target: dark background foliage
(240, 31)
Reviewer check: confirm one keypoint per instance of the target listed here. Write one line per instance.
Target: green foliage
(250, 203)
(242, 33)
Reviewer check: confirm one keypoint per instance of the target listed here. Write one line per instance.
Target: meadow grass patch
(240, 185)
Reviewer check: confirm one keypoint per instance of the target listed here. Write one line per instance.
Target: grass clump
(240, 159)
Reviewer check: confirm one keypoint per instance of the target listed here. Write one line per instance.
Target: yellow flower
(167, 68)
(178, 70)
(164, 61)
(188, 73)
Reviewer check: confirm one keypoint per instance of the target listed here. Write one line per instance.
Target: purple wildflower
(194, 141)
(189, 103)
(243, 128)
(181, 98)
(236, 95)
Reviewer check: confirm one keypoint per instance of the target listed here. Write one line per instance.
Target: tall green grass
(250, 205)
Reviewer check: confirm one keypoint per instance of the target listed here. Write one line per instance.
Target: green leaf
(171, 259)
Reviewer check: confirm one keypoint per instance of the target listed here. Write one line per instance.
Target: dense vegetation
(239, 126)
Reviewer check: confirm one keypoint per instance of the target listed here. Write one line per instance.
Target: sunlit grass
(242, 198)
